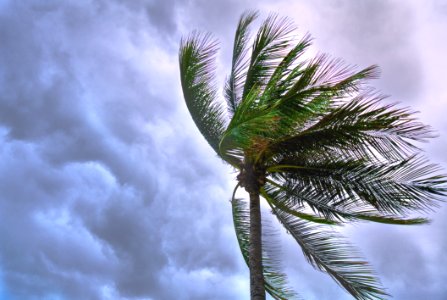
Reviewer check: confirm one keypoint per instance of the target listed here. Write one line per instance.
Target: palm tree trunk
(257, 290)
(252, 179)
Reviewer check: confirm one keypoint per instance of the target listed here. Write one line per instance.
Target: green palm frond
(246, 124)
(314, 95)
(284, 74)
(323, 74)
(294, 210)
(300, 198)
(270, 45)
(251, 128)
(328, 252)
(196, 56)
(363, 128)
(234, 85)
(275, 280)
(397, 188)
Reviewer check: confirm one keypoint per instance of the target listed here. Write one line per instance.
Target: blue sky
(107, 189)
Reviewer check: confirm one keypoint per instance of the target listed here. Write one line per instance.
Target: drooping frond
(234, 85)
(330, 253)
(196, 56)
(297, 198)
(294, 210)
(397, 189)
(275, 281)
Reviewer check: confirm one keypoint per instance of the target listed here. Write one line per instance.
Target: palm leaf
(196, 58)
(328, 252)
(398, 188)
(284, 74)
(293, 210)
(269, 46)
(363, 128)
(251, 128)
(300, 198)
(240, 62)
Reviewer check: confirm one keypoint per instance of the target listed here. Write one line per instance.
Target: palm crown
(314, 141)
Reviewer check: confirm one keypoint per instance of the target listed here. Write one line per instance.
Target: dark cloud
(101, 184)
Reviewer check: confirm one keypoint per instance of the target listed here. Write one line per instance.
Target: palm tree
(309, 137)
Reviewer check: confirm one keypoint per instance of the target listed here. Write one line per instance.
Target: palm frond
(284, 73)
(250, 128)
(272, 199)
(330, 253)
(196, 57)
(313, 91)
(317, 77)
(233, 89)
(299, 198)
(362, 127)
(270, 45)
(326, 74)
(398, 188)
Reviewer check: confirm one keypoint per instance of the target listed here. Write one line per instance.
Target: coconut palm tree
(309, 137)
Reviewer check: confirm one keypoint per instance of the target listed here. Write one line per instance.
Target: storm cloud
(107, 189)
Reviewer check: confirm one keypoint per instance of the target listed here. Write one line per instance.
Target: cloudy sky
(107, 189)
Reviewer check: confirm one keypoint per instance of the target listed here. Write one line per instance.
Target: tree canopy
(322, 144)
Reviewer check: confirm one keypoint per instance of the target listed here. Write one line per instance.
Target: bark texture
(257, 290)
(253, 181)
